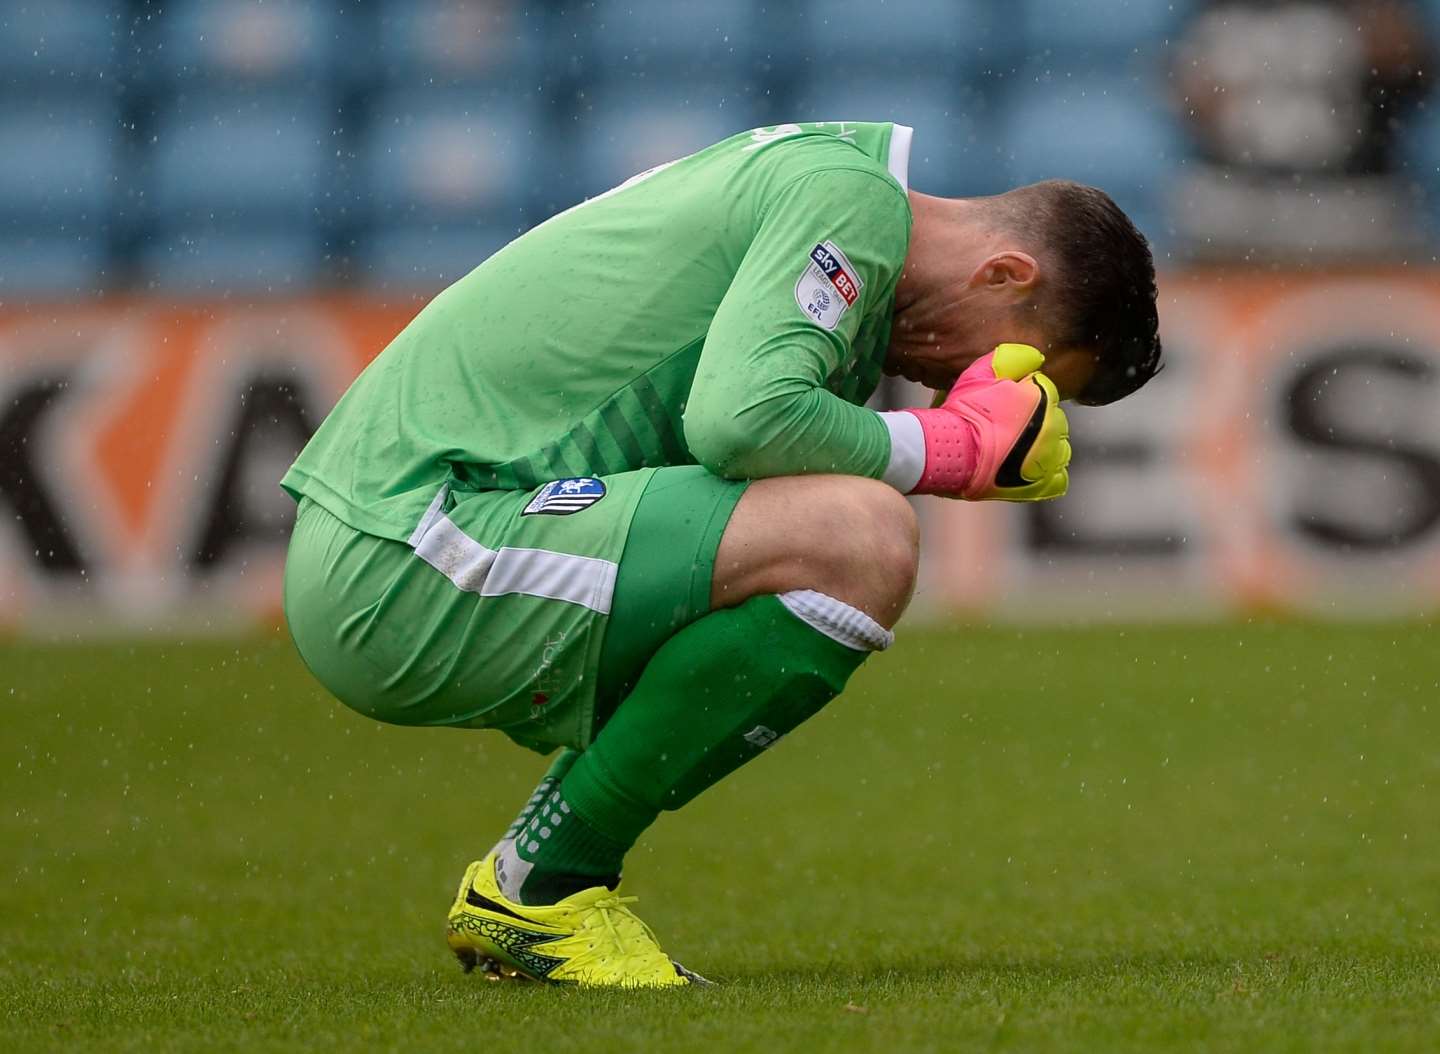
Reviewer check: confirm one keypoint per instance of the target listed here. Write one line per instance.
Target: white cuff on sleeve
(907, 450)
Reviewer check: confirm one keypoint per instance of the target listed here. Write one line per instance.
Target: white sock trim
(837, 620)
(511, 869)
(907, 450)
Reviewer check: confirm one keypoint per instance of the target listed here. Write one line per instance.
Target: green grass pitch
(1217, 838)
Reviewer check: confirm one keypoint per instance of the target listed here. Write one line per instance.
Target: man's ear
(1010, 267)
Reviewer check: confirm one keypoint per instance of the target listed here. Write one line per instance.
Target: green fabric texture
(548, 783)
(568, 853)
(658, 324)
(398, 641)
(665, 574)
(662, 586)
(714, 696)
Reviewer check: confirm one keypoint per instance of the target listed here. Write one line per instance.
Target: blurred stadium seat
(444, 180)
(958, 38)
(1110, 131)
(61, 141)
(240, 159)
(57, 183)
(1091, 34)
(446, 154)
(247, 41)
(1430, 11)
(628, 127)
(237, 193)
(661, 80)
(64, 264)
(632, 36)
(427, 257)
(951, 153)
(204, 260)
(60, 44)
(59, 161)
(455, 42)
(439, 127)
(1421, 158)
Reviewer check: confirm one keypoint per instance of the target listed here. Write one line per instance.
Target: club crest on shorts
(828, 286)
(561, 497)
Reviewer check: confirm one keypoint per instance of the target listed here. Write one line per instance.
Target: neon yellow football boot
(590, 938)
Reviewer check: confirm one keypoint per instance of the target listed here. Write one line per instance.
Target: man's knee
(852, 538)
(890, 540)
(877, 540)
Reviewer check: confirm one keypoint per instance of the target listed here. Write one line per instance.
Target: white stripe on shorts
(584, 580)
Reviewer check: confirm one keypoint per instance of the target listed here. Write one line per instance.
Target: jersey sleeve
(828, 252)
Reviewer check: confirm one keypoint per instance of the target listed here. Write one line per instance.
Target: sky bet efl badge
(562, 497)
(827, 286)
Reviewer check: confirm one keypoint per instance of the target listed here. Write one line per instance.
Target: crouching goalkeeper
(615, 492)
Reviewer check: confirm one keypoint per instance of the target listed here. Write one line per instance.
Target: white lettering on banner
(1353, 446)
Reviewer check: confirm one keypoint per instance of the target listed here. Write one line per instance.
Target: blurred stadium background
(213, 212)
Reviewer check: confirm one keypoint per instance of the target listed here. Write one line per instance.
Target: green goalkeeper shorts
(530, 612)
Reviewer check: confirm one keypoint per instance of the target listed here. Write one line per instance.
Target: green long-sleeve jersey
(730, 309)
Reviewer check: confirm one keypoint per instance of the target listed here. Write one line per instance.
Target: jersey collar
(899, 161)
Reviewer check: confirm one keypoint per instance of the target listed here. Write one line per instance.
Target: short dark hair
(1104, 292)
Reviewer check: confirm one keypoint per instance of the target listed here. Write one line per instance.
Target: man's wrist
(907, 450)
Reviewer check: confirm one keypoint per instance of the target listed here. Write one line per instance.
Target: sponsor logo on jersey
(562, 497)
(828, 287)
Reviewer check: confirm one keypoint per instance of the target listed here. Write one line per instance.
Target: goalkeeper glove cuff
(1000, 433)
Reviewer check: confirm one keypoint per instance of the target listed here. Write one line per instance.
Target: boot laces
(611, 909)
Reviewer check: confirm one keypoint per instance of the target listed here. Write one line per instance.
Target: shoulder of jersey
(815, 154)
(811, 145)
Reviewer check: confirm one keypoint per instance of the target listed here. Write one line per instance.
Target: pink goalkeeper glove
(1000, 433)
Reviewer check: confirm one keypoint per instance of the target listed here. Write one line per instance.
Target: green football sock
(555, 854)
(561, 765)
(715, 695)
(513, 871)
